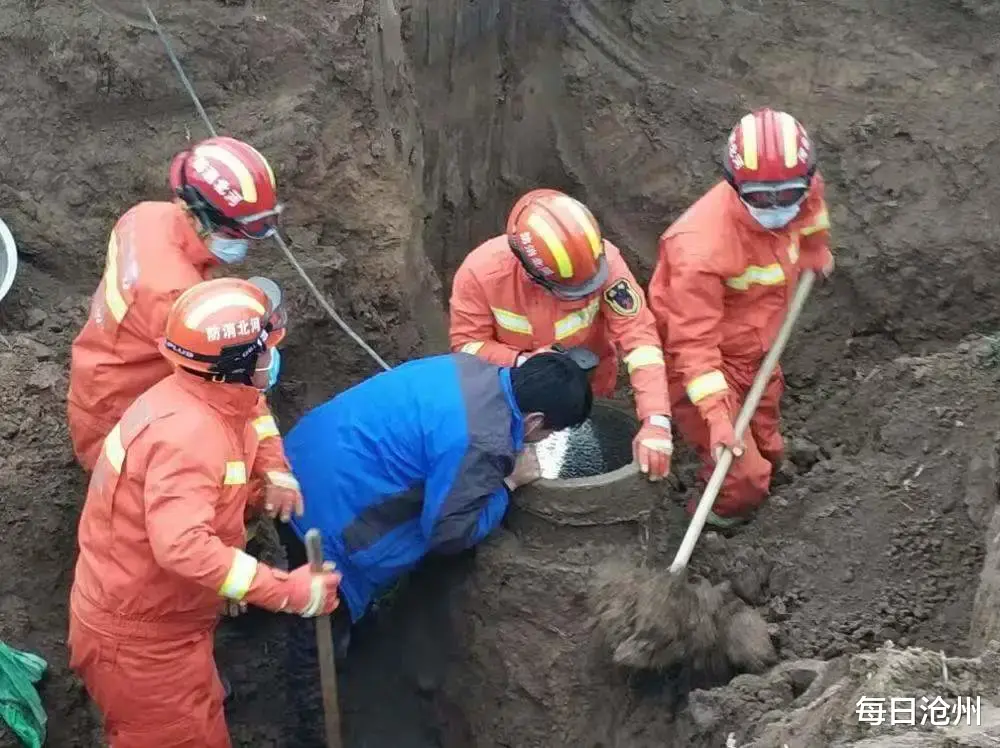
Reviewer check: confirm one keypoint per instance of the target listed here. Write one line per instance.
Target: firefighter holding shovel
(727, 270)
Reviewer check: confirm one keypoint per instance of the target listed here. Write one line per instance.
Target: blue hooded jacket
(408, 462)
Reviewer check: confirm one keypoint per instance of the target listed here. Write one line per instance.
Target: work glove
(309, 594)
(720, 432)
(526, 469)
(282, 495)
(653, 446)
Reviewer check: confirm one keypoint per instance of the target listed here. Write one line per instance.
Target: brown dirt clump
(657, 620)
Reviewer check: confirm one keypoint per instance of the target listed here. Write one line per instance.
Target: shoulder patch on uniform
(623, 298)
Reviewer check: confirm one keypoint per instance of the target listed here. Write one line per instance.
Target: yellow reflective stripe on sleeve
(112, 293)
(552, 241)
(265, 427)
(472, 348)
(822, 223)
(705, 385)
(510, 321)
(236, 474)
(282, 479)
(579, 320)
(644, 355)
(755, 275)
(240, 576)
(113, 448)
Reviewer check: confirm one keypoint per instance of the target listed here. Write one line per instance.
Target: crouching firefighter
(727, 270)
(161, 534)
(552, 279)
(414, 461)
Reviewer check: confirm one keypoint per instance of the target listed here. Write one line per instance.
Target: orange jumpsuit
(498, 312)
(720, 292)
(154, 255)
(160, 540)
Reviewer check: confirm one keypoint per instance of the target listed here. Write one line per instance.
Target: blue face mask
(273, 369)
(773, 218)
(228, 249)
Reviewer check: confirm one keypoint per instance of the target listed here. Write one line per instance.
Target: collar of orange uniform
(228, 399)
(193, 245)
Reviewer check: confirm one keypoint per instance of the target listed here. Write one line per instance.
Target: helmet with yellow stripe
(769, 160)
(559, 243)
(220, 327)
(229, 186)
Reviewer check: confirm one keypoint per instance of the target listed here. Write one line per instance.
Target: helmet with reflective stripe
(559, 243)
(768, 146)
(229, 186)
(219, 327)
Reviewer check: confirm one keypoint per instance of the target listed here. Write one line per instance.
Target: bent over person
(727, 271)
(553, 279)
(225, 195)
(414, 461)
(161, 534)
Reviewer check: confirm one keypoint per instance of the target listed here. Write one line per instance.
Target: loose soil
(400, 132)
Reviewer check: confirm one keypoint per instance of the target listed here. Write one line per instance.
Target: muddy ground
(400, 131)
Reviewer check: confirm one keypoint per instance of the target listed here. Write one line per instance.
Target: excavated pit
(400, 131)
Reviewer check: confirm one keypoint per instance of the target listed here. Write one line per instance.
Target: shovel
(324, 647)
(750, 404)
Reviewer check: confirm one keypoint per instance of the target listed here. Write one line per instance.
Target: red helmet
(221, 326)
(558, 241)
(769, 159)
(229, 185)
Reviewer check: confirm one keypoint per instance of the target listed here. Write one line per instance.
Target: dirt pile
(655, 620)
(400, 131)
(889, 698)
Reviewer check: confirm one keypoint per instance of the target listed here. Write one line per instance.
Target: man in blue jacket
(420, 460)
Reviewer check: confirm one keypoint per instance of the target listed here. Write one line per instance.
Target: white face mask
(773, 218)
(228, 249)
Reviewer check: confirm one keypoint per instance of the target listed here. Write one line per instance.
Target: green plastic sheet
(20, 705)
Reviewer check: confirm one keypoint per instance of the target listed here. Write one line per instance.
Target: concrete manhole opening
(602, 444)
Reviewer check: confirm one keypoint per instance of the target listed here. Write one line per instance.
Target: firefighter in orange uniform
(727, 271)
(225, 196)
(552, 279)
(161, 534)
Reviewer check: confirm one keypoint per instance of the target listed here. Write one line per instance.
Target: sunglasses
(782, 196)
